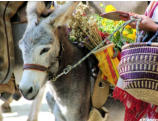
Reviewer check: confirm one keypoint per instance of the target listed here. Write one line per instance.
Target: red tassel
(134, 109)
(153, 112)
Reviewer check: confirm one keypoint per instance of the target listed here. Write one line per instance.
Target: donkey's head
(41, 48)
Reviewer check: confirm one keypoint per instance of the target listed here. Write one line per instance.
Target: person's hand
(146, 24)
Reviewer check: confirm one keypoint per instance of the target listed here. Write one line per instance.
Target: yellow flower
(128, 27)
(134, 31)
(110, 8)
(131, 36)
(103, 21)
(101, 5)
(125, 33)
(116, 22)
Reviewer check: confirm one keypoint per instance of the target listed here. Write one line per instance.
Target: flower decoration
(110, 8)
(101, 5)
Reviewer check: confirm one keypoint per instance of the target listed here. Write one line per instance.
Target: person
(150, 19)
(136, 109)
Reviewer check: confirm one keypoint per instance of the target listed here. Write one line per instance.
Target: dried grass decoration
(84, 28)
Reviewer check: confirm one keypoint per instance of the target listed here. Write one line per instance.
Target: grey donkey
(46, 49)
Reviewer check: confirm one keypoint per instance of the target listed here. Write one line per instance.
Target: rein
(70, 67)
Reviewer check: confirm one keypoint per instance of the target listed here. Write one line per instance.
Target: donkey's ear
(62, 14)
(34, 10)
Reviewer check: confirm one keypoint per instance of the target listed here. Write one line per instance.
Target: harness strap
(35, 67)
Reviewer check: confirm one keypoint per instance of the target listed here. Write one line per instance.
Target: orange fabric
(107, 64)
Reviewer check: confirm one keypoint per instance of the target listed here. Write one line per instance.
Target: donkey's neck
(72, 90)
(69, 56)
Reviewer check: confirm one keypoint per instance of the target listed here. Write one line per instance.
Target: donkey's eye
(44, 50)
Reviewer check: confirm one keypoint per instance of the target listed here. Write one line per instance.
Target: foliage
(128, 35)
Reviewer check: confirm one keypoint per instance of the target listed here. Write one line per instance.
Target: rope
(70, 67)
(137, 27)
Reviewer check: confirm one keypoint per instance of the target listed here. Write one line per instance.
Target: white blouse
(155, 15)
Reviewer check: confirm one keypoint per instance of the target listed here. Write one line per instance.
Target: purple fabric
(147, 50)
(138, 75)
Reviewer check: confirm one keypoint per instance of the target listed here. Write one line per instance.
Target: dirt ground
(20, 111)
(21, 108)
(116, 110)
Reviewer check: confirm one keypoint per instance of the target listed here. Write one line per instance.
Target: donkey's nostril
(30, 90)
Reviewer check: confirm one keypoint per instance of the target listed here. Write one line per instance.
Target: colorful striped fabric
(107, 64)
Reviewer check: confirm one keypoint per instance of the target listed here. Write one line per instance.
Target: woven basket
(139, 69)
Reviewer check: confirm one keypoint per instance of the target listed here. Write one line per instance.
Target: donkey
(46, 49)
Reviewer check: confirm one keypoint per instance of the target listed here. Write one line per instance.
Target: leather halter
(35, 67)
